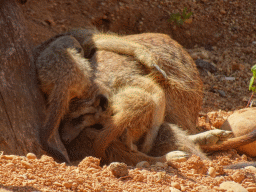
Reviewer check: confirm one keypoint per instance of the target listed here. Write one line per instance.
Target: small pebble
(176, 185)
(67, 184)
(161, 165)
(222, 93)
(238, 177)
(118, 169)
(26, 164)
(172, 189)
(201, 64)
(212, 172)
(7, 157)
(31, 156)
(57, 184)
(143, 164)
(251, 189)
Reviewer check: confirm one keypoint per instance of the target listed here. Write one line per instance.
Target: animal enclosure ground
(222, 33)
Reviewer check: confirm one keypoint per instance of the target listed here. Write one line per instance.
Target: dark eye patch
(97, 126)
(78, 49)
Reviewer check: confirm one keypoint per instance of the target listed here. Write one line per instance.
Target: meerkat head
(82, 113)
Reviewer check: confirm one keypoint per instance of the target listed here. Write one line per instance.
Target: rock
(251, 168)
(203, 55)
(176, 185)
(31, 156)
(8, 157)
(172, 189)
(161, 165)
(238, 177)
(67, 184)
(222, 93)
(251, 189)
(178, 156)
(118, 169)
(57, 184)
(143, 164)
(229, 78)
(232, 186)
(26, 164)
(212, 172)
(194, 56)
(243, 122)
(201, 64)
(223, 12)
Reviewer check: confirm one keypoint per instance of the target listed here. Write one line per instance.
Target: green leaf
(251, 83)
(189, 15)
(253, 68)
(184, 12)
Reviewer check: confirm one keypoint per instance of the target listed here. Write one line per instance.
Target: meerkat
(63, 74)
(52, 83)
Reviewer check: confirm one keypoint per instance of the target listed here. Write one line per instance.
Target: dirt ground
(221, 32)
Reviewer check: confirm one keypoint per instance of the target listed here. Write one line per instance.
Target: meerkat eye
(78, 49)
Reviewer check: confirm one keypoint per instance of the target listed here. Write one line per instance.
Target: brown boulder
(242, 122)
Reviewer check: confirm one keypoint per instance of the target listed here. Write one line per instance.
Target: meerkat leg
(133, 110)
(117, 44)
(139, 110)
(158, 97)
(91, 39)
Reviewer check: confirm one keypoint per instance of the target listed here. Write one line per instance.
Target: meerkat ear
(89, 48)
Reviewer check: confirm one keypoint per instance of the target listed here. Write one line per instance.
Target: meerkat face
(82, 113)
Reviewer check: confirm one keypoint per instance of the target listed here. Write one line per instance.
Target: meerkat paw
(179, 156)
(57, 148)
(212, 137)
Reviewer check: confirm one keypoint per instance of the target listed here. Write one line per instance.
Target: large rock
(232, 186)
(243, 122)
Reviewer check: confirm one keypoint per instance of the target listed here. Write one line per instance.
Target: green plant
(180, 18)
(251, 88)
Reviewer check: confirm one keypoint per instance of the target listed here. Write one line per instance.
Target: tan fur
(139, 96)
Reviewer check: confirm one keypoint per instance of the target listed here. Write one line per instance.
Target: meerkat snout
(102, 101)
